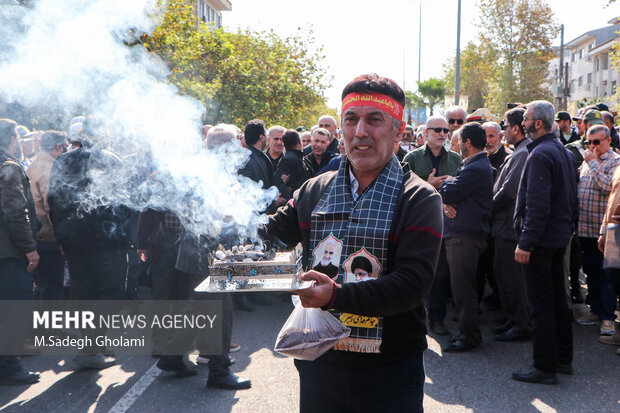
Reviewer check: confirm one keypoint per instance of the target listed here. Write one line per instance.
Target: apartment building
(590, 75)
(210, 11)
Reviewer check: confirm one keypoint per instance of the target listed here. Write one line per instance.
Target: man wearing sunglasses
(595, 182)
(456, 116)
(590, 118)
(434, 163)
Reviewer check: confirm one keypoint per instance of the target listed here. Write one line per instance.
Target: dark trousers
(328, 388)
(602, 298)
(15, 284)
(440, 289)
(574, 264)
(97, 274)
(552, 335)
(49, 274)
(462, 254)
(510, 278)
(485, 271)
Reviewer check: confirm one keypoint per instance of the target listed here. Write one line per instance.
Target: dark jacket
(419, 161)
(400, 154)
(472, 193)
(274, 161)
(312, 167)
(290, 164)
(546, 209)
(258, 168)
(398, 295)
(505, 192)
(18, 222)
(574, 136)
(81, 224)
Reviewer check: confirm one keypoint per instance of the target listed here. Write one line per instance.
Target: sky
(361, 36)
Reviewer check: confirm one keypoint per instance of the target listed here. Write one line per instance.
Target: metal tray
(280, 274)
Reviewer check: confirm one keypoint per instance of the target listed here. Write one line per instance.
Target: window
(580, 81)
(219, 20)
(581, 53)
(598, 61)
(589, 78)
(604, 87)
(590, 46)
(605, 61)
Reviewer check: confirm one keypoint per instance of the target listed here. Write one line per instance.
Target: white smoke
(69, 56)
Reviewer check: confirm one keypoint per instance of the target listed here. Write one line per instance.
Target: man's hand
(142, 255)
(33, 260)
(320, 294)
(588, 155)
(521, 256)
(449, 210)
(285, 178)
(436, 181)
(601, 243)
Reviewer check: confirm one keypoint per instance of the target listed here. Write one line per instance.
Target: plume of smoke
(70, 55)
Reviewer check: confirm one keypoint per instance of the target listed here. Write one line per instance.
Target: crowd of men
(528, 201)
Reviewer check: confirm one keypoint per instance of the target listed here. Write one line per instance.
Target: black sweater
(413, 251)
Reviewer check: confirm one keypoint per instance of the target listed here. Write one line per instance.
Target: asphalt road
(472, 382)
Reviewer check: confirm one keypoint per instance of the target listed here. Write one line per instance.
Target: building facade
(210, 11)
(590, 74)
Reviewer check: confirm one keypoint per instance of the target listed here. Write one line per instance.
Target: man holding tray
(371, 208)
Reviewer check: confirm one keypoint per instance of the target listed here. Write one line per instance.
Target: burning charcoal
(248, 247)
(269, 255)
(228, 253)
(258, 248)
(248, 260)
(254, 255)
(220, 255)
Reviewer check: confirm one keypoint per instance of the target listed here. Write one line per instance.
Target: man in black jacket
(91, 227)
(374, 209)
(468, 200)
(259, 167)
(544, 220)
(567, 133)
(290, 174)
(320, 156)
(18, 251)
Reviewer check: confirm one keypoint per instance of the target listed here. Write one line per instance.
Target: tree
(520, 34)
(431, 92)
(477, 66)
(242, 75)
(412, 104)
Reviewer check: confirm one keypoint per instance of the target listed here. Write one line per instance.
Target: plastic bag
(309, 332)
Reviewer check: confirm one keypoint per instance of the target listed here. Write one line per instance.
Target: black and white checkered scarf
(362, 227)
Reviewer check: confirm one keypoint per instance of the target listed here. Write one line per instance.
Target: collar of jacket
(545, 138)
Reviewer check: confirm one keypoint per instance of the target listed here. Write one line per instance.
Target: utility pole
(561, 82)
(457, 82)
(419, 56)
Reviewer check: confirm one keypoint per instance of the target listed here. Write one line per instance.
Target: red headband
(377, 100)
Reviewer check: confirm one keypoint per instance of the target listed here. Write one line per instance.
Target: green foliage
(243, 75)
(509, 60)
(430, 93)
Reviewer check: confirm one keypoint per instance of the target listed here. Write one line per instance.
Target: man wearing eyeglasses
(508, 273)
(434, 163)
(595, 181)
(545, 213)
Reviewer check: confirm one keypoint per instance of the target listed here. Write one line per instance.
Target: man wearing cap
(373, 208)
(595, 182)
(590, 118)
(567, 133)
